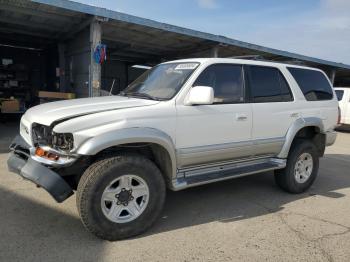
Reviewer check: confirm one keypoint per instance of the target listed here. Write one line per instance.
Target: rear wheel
(301, 170)
(120, 196)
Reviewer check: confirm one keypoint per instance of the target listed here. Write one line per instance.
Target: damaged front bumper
(21, 163)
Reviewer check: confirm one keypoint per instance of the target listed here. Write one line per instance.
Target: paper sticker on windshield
(188, 66)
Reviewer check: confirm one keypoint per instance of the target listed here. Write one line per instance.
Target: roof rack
(261, 58)
(250, 57)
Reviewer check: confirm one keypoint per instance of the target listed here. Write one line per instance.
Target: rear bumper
(331, 137)
(37, 173)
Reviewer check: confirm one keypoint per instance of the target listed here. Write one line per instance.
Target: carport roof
(54, 20)
(114, 15)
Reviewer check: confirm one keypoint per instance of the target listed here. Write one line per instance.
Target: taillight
(339, 116)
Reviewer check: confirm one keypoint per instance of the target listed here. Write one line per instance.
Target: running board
(200, 175)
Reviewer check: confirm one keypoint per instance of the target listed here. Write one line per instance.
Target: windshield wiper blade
(142, 95)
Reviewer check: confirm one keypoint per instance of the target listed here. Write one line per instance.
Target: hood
(48, 113)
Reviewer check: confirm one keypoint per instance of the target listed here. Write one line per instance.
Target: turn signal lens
(52, 156)
(45, 154)
(39, 152)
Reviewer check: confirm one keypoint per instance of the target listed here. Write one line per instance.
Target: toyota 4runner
(181, 124)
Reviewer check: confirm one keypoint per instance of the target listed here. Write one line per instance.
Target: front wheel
(121, 196)
(301, 170)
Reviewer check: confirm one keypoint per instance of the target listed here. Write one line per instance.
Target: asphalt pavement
(245, 219)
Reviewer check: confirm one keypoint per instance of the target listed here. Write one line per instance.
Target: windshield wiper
(140, 95)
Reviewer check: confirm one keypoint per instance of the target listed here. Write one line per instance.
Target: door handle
(241, 117)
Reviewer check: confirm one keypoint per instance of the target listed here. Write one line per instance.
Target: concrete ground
(247, 219)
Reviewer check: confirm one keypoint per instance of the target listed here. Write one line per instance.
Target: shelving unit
(14, 83)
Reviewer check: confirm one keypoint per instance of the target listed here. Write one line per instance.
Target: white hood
(48, 113)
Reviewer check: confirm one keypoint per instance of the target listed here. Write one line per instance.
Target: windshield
(162, 82)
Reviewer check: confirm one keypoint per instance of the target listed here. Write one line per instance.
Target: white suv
(181, 124)
(343, 95)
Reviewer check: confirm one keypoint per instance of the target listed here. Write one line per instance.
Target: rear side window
(267, 84)
(313, 84)
(340, 94)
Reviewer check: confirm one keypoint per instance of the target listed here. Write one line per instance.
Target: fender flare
(96, 144)
(295, 128)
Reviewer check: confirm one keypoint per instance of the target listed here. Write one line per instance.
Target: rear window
(267, 84)
(340, 94)
(313, 84)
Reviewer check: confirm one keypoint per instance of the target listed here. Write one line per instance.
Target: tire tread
(93, 174)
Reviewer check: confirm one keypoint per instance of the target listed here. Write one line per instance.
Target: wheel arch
(305, 128)
(153, 143)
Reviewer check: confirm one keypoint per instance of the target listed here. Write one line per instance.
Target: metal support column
(62, 66)
(332, 76)
(215, 51)
(95, 68)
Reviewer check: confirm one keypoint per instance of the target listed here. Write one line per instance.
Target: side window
(313, 84)
(226, 80)
(340, 94)
(267, 84)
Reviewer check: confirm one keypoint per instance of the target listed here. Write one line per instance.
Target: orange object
(45, 154)
(39, 152)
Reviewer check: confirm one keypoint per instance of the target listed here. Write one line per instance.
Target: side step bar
(200, 175)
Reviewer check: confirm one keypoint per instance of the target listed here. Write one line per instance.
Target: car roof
(239, 61)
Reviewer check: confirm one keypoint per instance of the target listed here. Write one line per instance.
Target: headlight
(41, 134)
(62, 141)
(44, 136)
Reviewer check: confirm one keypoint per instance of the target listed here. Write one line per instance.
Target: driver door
(220, 131)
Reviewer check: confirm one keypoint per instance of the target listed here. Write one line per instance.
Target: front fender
(96, 144)
(295, 128)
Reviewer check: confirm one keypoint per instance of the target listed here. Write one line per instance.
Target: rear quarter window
(312, 83)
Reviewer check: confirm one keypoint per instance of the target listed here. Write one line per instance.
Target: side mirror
(200, 95)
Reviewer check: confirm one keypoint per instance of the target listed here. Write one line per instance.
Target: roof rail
(261, 58)
(249, 57)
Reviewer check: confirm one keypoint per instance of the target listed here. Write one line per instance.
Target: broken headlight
(44, 136)
(41, 134)
(62, 141)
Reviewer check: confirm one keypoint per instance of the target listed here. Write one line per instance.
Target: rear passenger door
(273, 108)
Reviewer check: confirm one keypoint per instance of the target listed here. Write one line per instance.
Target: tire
(95, 185)
(294, 181)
